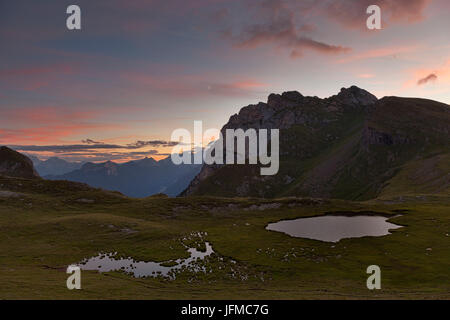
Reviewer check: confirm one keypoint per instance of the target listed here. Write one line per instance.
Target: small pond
(105, 262)
(333, 227)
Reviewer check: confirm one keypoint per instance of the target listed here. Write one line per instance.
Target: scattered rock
(83, 200)
(9, 194)
(262, 207)
(130, 231)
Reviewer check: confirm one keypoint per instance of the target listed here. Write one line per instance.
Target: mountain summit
(54, 166)
(349, 146)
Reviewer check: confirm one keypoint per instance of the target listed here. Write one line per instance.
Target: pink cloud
(47, 115)
(430, 78)
(421, 76)
(191, 85)
(32, 71)
(287, 23)
(38, 125)
(36, 77)
(393, 52)
(277, 27)
(48, 134)
(366, 75)
(250, 84)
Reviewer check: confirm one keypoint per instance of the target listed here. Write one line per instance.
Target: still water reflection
(105, 262)
(332, 228)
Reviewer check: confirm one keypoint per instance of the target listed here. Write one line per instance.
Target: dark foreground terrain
(47, 225)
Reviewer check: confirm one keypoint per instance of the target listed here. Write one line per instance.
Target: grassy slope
(46, 228)
(424, 176)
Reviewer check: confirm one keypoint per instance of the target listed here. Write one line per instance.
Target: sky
(139, 69)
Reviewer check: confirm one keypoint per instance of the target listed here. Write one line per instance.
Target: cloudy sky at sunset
(138, 69)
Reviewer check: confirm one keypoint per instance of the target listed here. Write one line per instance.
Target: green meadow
(47, 225)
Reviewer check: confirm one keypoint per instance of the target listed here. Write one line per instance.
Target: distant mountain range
(348, 146)
(140, 178)
(54, 165)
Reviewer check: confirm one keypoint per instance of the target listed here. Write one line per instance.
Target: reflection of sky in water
(107, 262)
(334, 228)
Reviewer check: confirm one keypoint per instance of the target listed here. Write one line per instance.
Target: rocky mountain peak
(294, 96)
(285, 99)
(109, 164)
(109, 167)
(284, 110)
(355, 96)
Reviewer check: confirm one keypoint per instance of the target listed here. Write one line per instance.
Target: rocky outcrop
(15, 164)
(372, 136)
(354, 97)
(290, 108)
